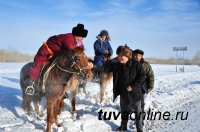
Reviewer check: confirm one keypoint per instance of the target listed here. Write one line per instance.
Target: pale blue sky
(155, 26)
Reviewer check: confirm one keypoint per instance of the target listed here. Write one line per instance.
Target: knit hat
(138, 51)
(79, 31)
(124, 50)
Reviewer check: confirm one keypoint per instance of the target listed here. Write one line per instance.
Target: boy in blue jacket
(102, 48)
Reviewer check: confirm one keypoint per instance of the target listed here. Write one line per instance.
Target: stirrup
(32, 89)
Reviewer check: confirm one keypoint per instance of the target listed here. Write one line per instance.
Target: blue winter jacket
(100, 47)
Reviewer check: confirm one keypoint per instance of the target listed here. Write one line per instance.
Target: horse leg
(36, 102)
(36, 107)
(26, 103)
(102, 91)
(56, 111)
(24, 106)
(84, 87)
(50, 111)
(73, 84)
(73, 101)
(104, 80)
(61, 105)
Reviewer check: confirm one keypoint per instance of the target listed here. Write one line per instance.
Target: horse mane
(64, 53)
(78, 49)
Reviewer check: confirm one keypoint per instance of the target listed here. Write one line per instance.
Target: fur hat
(138, 51)
(124, 50)
(79, 31)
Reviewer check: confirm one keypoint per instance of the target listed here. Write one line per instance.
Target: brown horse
(103, 80)
(27, 99)
(60, 76)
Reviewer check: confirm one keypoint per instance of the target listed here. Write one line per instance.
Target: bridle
(80, 71)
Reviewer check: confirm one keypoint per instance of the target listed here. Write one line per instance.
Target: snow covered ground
(173, 93)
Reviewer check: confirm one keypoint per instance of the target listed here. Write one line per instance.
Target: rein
(73, 64)
(65, 70)
(77, 72)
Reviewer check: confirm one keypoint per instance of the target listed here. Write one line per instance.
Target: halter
(74, 64)
(65, 70)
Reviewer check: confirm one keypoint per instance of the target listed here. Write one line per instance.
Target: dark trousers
(142, 103)
(128, 105)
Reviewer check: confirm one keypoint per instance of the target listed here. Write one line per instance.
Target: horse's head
(81, 62)
(75, 61)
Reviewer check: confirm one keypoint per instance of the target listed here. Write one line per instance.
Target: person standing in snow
(148, 84)
(52, 45)
(130, 91)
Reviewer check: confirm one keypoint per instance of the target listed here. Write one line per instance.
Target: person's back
(148, 84)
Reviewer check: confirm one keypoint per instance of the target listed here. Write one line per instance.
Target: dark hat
(103, 32)
(119, 49)
(124, 50)
(79, 31)
(138, 51)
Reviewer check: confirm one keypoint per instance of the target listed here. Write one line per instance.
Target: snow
(173, 92)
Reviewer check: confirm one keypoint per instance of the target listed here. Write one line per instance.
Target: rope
(47, 74)
(65, 69)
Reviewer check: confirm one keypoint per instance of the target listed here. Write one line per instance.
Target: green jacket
(149, 81)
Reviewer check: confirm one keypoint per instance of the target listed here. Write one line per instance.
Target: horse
(58, 77)
(27, 99)
(103, 79)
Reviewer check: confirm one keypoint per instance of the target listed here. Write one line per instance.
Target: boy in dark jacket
(128, 76)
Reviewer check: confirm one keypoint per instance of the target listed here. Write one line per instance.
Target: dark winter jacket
(149, 81)
(100, 47)
(130, 73)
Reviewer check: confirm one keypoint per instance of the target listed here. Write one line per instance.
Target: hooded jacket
(100, 47)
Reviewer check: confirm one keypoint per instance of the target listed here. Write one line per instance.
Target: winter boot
(123, 126)
(30, 90)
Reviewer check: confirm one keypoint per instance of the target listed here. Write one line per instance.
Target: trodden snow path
(173, 92)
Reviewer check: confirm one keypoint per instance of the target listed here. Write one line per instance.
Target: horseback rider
(102, 48)
(52, 45)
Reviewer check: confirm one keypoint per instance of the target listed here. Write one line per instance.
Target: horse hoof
(60, 129)
(74, 116)
(59, 124)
